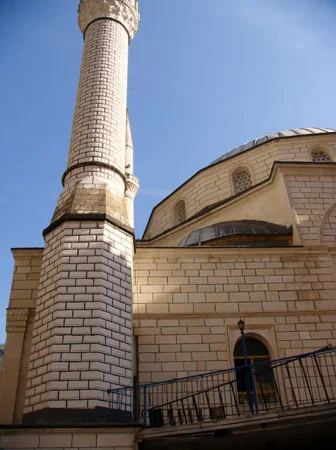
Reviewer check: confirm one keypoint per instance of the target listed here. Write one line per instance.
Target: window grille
(242, 180)
(320, 156)
(180, 212)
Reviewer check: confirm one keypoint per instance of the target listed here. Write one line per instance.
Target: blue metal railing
(300, 381)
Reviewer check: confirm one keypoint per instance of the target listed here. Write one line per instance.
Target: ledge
(88, 218)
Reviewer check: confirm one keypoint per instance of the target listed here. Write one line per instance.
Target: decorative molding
(324, 221)
(132, 185)
(266, 333)
(91, 217)
(16, 320)
(92, 164)
(219, 252)
(124, 11)
(27, 252)
(76, 417)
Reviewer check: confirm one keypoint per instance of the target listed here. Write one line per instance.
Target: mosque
(117, 343)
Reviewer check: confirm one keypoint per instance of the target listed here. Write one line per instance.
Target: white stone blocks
(82, 344)
(106, 42)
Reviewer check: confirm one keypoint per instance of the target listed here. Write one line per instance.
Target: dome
(269, 137)
(256, 228)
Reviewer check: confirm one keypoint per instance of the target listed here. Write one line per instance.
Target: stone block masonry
(82, 336)
(19, 324)
(95, 177)
(67, 439)
(312, 195)
(187, 303)
(213, 185)
(99, 127)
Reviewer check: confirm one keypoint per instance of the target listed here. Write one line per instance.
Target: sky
(204, 77)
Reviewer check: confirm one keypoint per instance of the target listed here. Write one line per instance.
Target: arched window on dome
(318, 155)
(179, 212)
(242, 179)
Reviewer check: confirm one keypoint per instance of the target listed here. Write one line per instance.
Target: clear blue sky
(204, 77)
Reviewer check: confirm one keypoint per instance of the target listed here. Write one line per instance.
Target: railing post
(248, 374)
(307, 381)
(145, 407)
(321, 377)
(290, 382)
(255, 399)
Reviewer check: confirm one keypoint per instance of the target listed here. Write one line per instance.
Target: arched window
(179, 212)
(320, 156)
(242, 180)
(259, 378)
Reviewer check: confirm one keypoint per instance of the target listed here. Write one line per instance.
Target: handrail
(204, 391)
(302, 380)
(174, 380)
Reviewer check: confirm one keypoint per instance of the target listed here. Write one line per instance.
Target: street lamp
(241, 326)
(250, 386)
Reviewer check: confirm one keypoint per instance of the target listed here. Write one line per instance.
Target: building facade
(252, 236)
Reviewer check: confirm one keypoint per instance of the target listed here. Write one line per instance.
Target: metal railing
(289, 383)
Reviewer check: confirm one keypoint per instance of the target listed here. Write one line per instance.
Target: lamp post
(250, 385)
(241, 326)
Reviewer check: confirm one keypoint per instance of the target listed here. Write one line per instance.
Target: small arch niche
(179, 212)
(258, 381)
(319, 155)
(242, 179)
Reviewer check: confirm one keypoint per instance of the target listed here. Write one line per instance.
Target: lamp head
(241, 325)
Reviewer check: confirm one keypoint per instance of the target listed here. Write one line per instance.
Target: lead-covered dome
(223, 231)
(269, 137)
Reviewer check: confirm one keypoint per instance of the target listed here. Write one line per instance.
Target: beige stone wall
(187, 303)
(328, 227)
(312, 192)
(269, 202)
(300, 195)
(26, 276)
(19, 324)
(66, 439)
(214, 184)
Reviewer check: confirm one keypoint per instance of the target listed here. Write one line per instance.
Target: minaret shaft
(94, 181)
(82, 342)
(98, 134)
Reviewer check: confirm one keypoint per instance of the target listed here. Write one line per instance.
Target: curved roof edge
(234, 152)
(234, 228)
(270, 137)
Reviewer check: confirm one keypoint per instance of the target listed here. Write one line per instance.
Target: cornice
(27, 252)
(305, 167)
(16, 320)
(125, 12)
(212, 253)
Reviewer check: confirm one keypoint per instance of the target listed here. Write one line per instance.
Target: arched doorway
(255, 383)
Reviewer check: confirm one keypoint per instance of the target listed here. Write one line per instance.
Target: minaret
(132, 182)
(82, 344)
